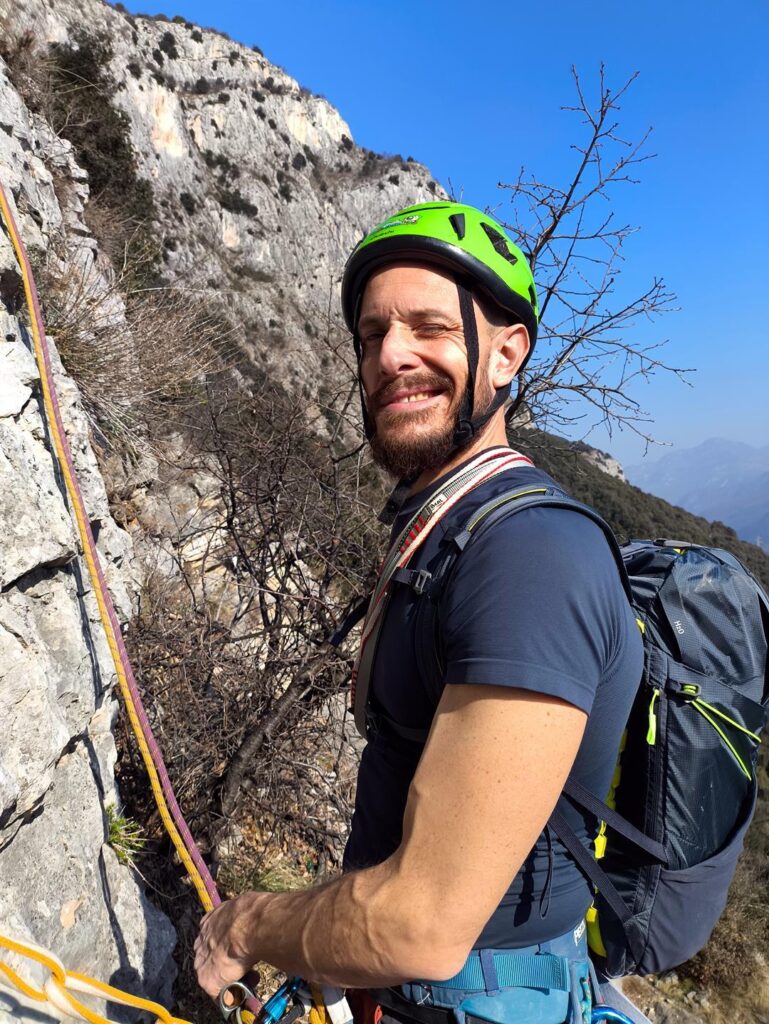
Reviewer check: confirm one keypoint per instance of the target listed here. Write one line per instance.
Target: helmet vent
(457, 221)
(499, 242)
(533, 296)
(425, 206)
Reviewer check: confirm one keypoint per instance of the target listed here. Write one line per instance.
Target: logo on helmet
(411, 219)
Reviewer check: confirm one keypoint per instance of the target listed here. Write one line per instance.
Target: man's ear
(509, 348)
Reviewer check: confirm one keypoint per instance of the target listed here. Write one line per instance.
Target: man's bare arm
(493, 767)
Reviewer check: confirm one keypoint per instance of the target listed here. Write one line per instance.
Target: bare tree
(235, 653)
(590, 349)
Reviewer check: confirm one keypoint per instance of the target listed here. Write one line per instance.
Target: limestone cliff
(61, 884)
(259, 190)
(257, 193)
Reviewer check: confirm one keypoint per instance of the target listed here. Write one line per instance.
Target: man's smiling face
(414, 365)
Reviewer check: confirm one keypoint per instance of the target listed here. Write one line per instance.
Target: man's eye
(431, 328)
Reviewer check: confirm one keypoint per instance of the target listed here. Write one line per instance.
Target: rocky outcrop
(259, 190)
(601, 460)
(61, 884)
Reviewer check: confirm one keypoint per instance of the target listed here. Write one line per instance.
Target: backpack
(684, 789)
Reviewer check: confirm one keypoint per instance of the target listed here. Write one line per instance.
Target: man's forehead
(410, 288)
(418, 271)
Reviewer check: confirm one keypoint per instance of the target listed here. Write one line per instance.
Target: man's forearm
(363, 929)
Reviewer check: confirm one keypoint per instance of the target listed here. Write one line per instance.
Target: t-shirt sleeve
(534, 602)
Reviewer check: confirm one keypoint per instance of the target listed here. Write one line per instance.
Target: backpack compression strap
(483, 467)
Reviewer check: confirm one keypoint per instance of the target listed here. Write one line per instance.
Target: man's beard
(405, 452)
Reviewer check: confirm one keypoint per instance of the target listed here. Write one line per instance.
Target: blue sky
(473, 90)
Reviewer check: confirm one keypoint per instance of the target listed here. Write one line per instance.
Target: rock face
(61, 884)
(258, 194)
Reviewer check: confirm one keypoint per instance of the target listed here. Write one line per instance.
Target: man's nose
(396, 352)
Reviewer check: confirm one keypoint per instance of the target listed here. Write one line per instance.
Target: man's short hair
(493, 312)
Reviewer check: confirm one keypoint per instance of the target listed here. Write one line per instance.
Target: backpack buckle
(687, 691)
(373, 724)
(421, 578)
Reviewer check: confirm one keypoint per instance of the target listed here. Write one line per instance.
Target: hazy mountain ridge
(631, 512)
(719, 479)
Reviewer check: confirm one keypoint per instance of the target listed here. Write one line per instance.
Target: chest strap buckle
(417, 579)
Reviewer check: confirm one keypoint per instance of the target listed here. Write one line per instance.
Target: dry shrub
(135, 353)
(730, 961)
(247, 697)
(31, 67)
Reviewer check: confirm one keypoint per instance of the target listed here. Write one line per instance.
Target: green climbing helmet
(473, 248)
(455, 237)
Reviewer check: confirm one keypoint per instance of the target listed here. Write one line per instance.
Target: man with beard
(478, 697)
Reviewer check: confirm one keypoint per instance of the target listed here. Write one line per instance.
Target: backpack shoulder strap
(517, 501)
(500, 507)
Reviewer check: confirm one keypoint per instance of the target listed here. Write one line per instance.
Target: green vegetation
(98, 131)
(168, 45)
(233, 201)
(124, 835)
(72, 87)
(282, 877)
(187, 201)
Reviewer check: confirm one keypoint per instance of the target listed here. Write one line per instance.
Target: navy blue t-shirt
(534, 602)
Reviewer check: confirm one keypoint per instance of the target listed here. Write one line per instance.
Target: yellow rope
(60, 983)
(59, 980)
(157, 791)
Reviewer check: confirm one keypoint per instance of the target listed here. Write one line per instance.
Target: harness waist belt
(541, 970)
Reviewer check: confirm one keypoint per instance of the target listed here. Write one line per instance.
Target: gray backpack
(687, 772)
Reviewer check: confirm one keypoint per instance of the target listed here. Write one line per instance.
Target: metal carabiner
(276, 1007)
(601, 1012)
(240, 993)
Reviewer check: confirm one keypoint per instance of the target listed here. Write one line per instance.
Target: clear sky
(473, 90)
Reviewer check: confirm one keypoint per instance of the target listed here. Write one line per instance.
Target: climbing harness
(56, 989)
(483, 467)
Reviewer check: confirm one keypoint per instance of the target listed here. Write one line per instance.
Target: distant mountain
(629, 511)
(719, 479)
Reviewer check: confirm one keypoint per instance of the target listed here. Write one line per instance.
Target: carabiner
(601, 1012)
(276, 1006)
(240, 993)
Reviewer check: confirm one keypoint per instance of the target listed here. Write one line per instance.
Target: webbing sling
(483, 467)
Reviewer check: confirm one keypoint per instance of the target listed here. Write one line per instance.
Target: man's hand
(222, 953)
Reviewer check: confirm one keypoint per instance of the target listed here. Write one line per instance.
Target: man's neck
(494, 436)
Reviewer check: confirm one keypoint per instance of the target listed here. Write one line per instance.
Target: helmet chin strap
(469, 426)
